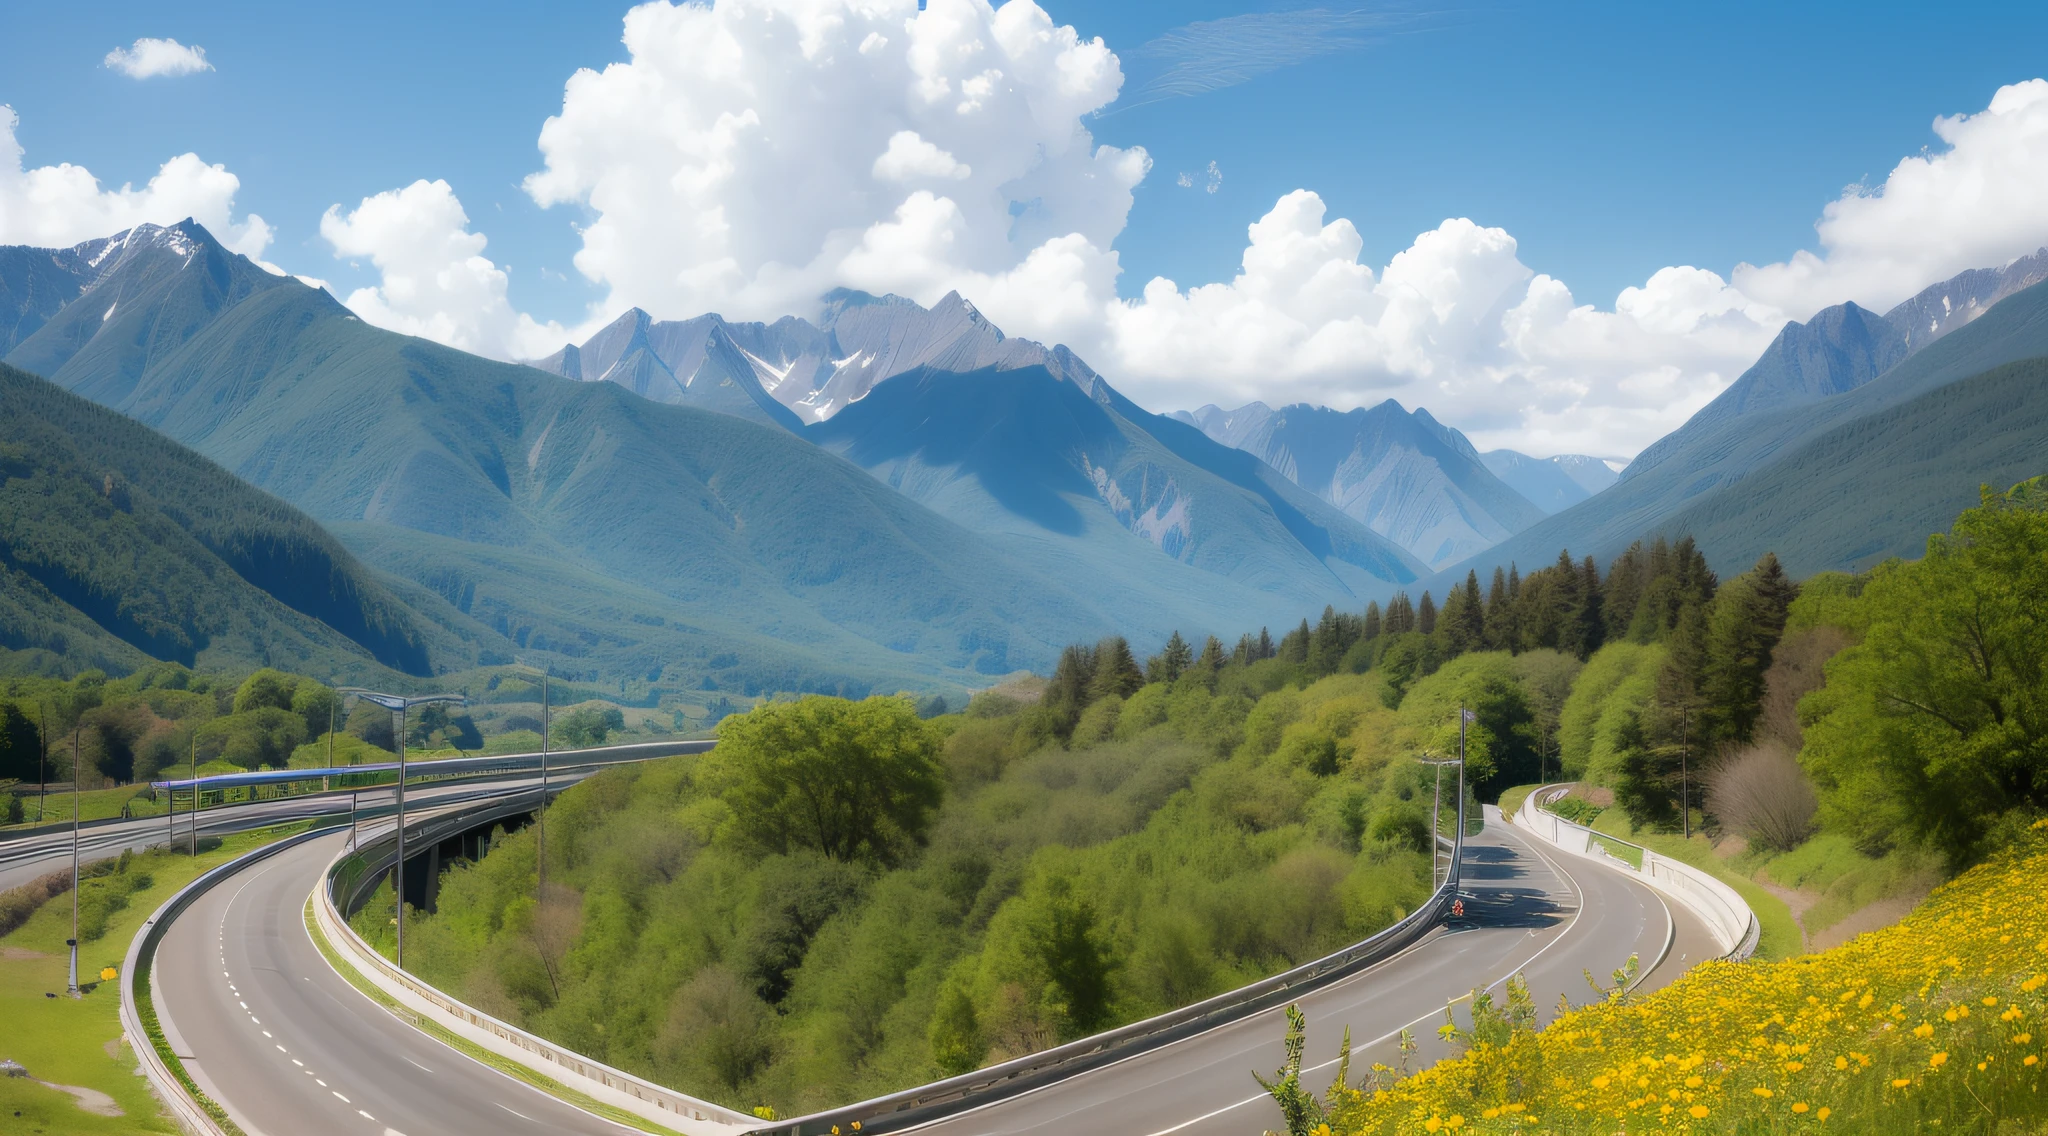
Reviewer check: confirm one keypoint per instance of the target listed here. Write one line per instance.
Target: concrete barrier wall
(600, 1082)
(1723, 910)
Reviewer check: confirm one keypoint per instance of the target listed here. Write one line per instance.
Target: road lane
(288, 1047)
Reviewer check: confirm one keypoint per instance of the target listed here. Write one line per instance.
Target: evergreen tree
(1425, 615)
(1174, 660)
(1496, 607)
(1247, 650)
(1210, 663)
(1464, 618)
(1584, 633)
(1294, 647)
(1265, 645)
(1067, 692)
(21, 748)
(1372, 620)
(1400, 614)
(1746, 620)
(1116, 671)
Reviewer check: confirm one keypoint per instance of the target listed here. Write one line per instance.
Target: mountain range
(674, 541)
(1850, 439)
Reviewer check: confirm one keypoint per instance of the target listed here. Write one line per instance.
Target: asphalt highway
(1529, 910)
(287, 1047)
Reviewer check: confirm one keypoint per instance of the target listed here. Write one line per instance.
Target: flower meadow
(1934, 1024)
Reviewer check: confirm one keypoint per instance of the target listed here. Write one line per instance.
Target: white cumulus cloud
(435, 280)
(62, 205)
(1976, 204)
(751, 154)
(149, 58)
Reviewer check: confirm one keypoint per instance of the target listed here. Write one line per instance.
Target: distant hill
(118, 546)
(1551, 484)
(663, 545)
(1405, 476)
(1818, 381)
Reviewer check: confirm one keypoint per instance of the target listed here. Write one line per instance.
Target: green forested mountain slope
(1859, 493)
(623, 537)
(1689, 481)
(118, 545)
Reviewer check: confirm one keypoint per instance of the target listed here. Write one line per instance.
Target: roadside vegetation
(1898, 738)
(82, 1077)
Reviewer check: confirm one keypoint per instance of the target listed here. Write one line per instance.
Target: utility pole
(400, 703)
(72, 942)
(194, 825)
(1684, 771)
(540, 835)
(42, 759)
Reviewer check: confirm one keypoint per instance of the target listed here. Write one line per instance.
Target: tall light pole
(194, 825)
(400, 704)
(1684, 772)
(540, 816)
(75, 881)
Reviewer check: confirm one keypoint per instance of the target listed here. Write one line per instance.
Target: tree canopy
(1938, 721)
(857, 781)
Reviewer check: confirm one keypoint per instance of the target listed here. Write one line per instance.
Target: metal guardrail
(1735, 926)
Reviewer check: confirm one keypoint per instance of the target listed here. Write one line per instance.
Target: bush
(1762, 795)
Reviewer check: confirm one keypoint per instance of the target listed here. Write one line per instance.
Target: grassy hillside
(118, 546)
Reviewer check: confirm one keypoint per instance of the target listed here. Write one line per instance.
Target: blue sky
(1610, 140)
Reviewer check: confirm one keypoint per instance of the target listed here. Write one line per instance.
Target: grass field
(78, 1042)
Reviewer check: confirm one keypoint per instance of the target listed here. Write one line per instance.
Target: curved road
(288, 1047)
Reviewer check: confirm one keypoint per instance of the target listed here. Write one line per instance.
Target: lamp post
(540, 816)
(194, 825)
(400, 704)
(73, 941)
(1684, 771)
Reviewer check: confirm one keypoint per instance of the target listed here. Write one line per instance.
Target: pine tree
(1175, 659)
(1372, 620)
(1247, 650)
(1425, 615)
(1585, 632)
(1116, 671)
(1210, 664)
(1265, 645)
(1294, 647)
(1464, 618)
(1400, 615)
(1746, 619)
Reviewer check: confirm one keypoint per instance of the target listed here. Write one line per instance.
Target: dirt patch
(1799, 901)
(113, 1047)
(1593, 795)
(91, 1100)
(20, 954)
(1883, 913)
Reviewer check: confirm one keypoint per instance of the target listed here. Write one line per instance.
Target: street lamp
(400, 703)
(1465, 718)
